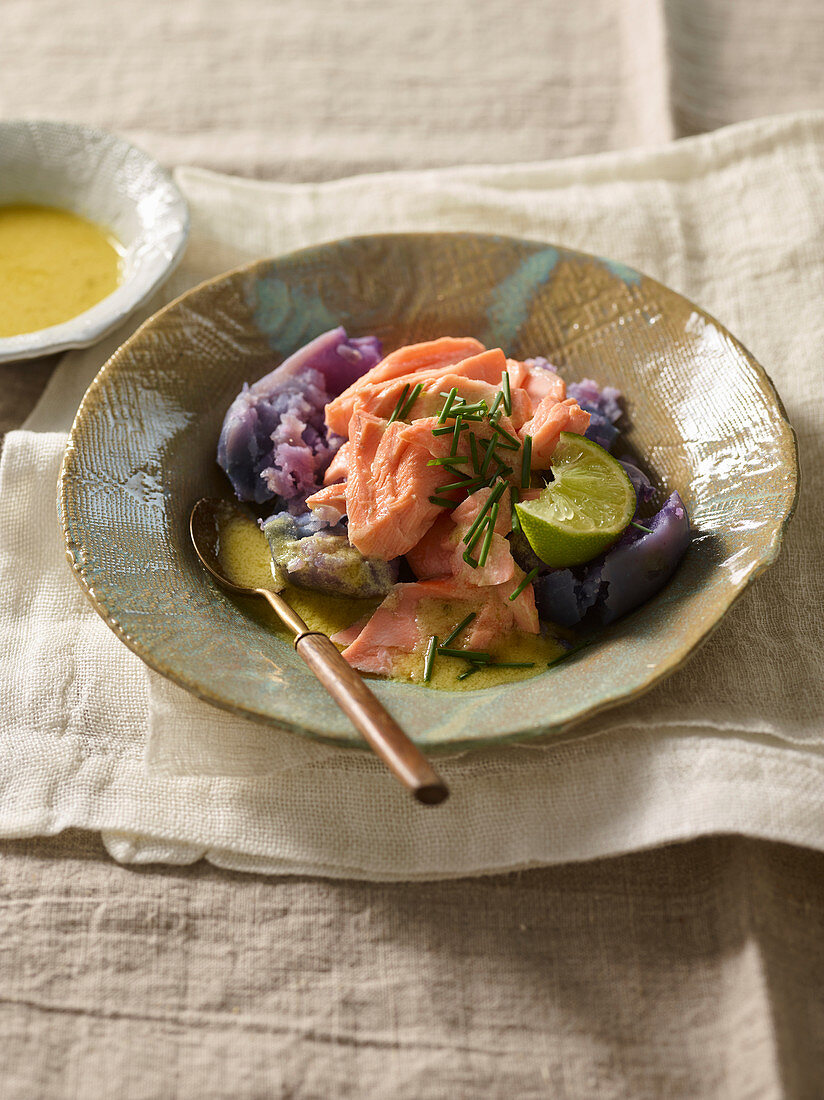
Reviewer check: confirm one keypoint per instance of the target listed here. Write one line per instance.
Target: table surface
(694, 970)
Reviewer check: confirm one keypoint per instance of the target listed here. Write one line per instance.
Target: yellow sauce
(53, 265)
(244, 557)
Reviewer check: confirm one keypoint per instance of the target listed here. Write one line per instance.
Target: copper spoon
(343, 683)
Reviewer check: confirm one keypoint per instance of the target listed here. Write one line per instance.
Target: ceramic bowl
(112, 183)
(700, 413)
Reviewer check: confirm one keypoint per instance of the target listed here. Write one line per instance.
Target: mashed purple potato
(274, 441)
(604, 407)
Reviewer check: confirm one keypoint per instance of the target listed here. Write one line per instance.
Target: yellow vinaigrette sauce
(53, 265)
(244, 556)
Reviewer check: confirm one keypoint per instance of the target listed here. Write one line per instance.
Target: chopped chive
(498, 491)
(528, 579)
(450, 397)
(472, 484)
(526, 462)
(641, 527)
(456, 472)
(476, 656)
(473, 450)
(443, 503)
(490, 531)
(469, 672)
(401, 402)
(453, 634)
(514, 497)
(569, 653)
(496, 404)
(429, 658)
(507, 393)
(512, 664)
(490, 449)
(503, 471)
(413, 397)
(493, 497)
(473, 539)
(467, 557)
(456, 434)
(452, 460)
(454, 485)
(512, 443)
(476, 524)
(446, 430)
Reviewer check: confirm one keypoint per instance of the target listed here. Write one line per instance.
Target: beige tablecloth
(694, 971)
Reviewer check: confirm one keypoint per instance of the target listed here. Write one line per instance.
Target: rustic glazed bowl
(118, 186)
(700, 413)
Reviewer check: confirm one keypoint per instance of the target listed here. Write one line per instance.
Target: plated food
(699, 413)
(470, 496)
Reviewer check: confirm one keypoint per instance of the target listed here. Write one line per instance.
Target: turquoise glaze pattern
(509, 302)
(703, 417)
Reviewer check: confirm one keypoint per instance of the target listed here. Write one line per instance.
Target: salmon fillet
(383, 481)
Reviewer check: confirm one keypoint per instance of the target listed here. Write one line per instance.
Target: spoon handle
(377, 725)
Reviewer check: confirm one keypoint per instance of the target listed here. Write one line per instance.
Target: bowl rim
(103, 317)
(532, 733)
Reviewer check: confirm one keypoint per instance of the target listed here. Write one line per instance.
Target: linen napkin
(731, 743)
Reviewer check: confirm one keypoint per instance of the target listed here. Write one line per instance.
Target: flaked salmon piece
(434, 554)
(390, 483)
(500, 615)
(551, 418)
(399, 626)
(350, 633)
(331, 496)
(440, 551)
(389, 636)
(382, 399)
(338, 467)
(429, 355)
(537, 381)
(488, 366)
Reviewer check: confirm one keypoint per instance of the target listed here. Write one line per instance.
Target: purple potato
(274, 440)
(640, 563)
(603, 405)
(310, 556)
(564, 598)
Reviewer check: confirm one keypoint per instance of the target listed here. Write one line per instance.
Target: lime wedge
(584, 510)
